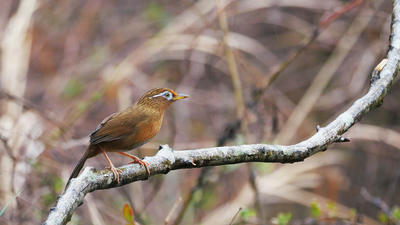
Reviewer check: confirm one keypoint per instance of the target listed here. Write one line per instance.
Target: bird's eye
(168, 95)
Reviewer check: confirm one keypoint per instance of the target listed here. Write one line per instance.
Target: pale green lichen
(109, 180)
(91, 177)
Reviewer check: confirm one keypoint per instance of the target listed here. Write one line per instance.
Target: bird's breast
(146, 131)
(140, 135)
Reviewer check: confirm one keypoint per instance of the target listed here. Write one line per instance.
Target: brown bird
(129, 129)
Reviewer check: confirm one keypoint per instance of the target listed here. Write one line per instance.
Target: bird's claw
(143, 163)
(115, 171)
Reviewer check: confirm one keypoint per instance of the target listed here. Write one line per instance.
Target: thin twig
(201, 181)
(323, 77)
(282, 66)
(231, 61)
(31, 106)
(278, 69)
(172, 211)
(378, 202)
(7, 148)
(333, 16)
(234, 216)
(240, 106)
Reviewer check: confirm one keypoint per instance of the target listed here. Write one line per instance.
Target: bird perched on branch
(129, 129)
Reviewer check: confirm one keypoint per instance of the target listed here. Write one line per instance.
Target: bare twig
(15, 48)
(235, 216)
(228, 134)
(323, 77)
(376, 133)
(288, 182)
(240, 105)
(231, 61)
(31, 106)
(376, 201)
(333, 16)
(278, 69)
(94, 213)
(7, 148)
(172, 211)
(255, 188)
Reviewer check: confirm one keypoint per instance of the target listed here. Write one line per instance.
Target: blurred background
(257, 72)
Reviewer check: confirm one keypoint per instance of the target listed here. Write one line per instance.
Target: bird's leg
(137, 160)
(112, 167)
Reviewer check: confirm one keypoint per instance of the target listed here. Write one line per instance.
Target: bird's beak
(180, 96)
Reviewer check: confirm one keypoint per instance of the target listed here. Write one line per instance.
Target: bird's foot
(115, 171)
(137, 160)
(141, 162)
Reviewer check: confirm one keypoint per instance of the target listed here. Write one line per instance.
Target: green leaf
(127, 212)
(96, 95)
(383, 218)
(353, 213)
(282, 218)
(3, 210)
(48, 198)
(315, 210)
(332, 209)
(396, 213)
(58, 184)
(245, 214)
(154, 12)
(72, 89)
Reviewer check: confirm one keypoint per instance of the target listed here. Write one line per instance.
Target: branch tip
(376, 73)
(341, 139)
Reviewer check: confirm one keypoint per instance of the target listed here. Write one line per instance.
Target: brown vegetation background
(75, 62)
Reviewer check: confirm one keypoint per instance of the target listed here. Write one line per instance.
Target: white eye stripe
(155, 96)
(166, 94)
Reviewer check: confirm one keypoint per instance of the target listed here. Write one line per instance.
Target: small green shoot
(332, 209)
(72, 89)
(245, 214)
(353, 214)
(315, 210)
(382, 217)
(396, 213)
(282, 218)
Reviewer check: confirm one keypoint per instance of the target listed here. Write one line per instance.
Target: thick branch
(167, 159)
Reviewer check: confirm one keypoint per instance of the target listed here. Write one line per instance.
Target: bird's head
(160, 98)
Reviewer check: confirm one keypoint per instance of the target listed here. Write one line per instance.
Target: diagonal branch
(167, 159)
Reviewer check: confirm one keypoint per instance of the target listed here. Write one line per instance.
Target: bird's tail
(81, 163)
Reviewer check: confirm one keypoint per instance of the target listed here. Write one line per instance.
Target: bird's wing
(115, 127)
